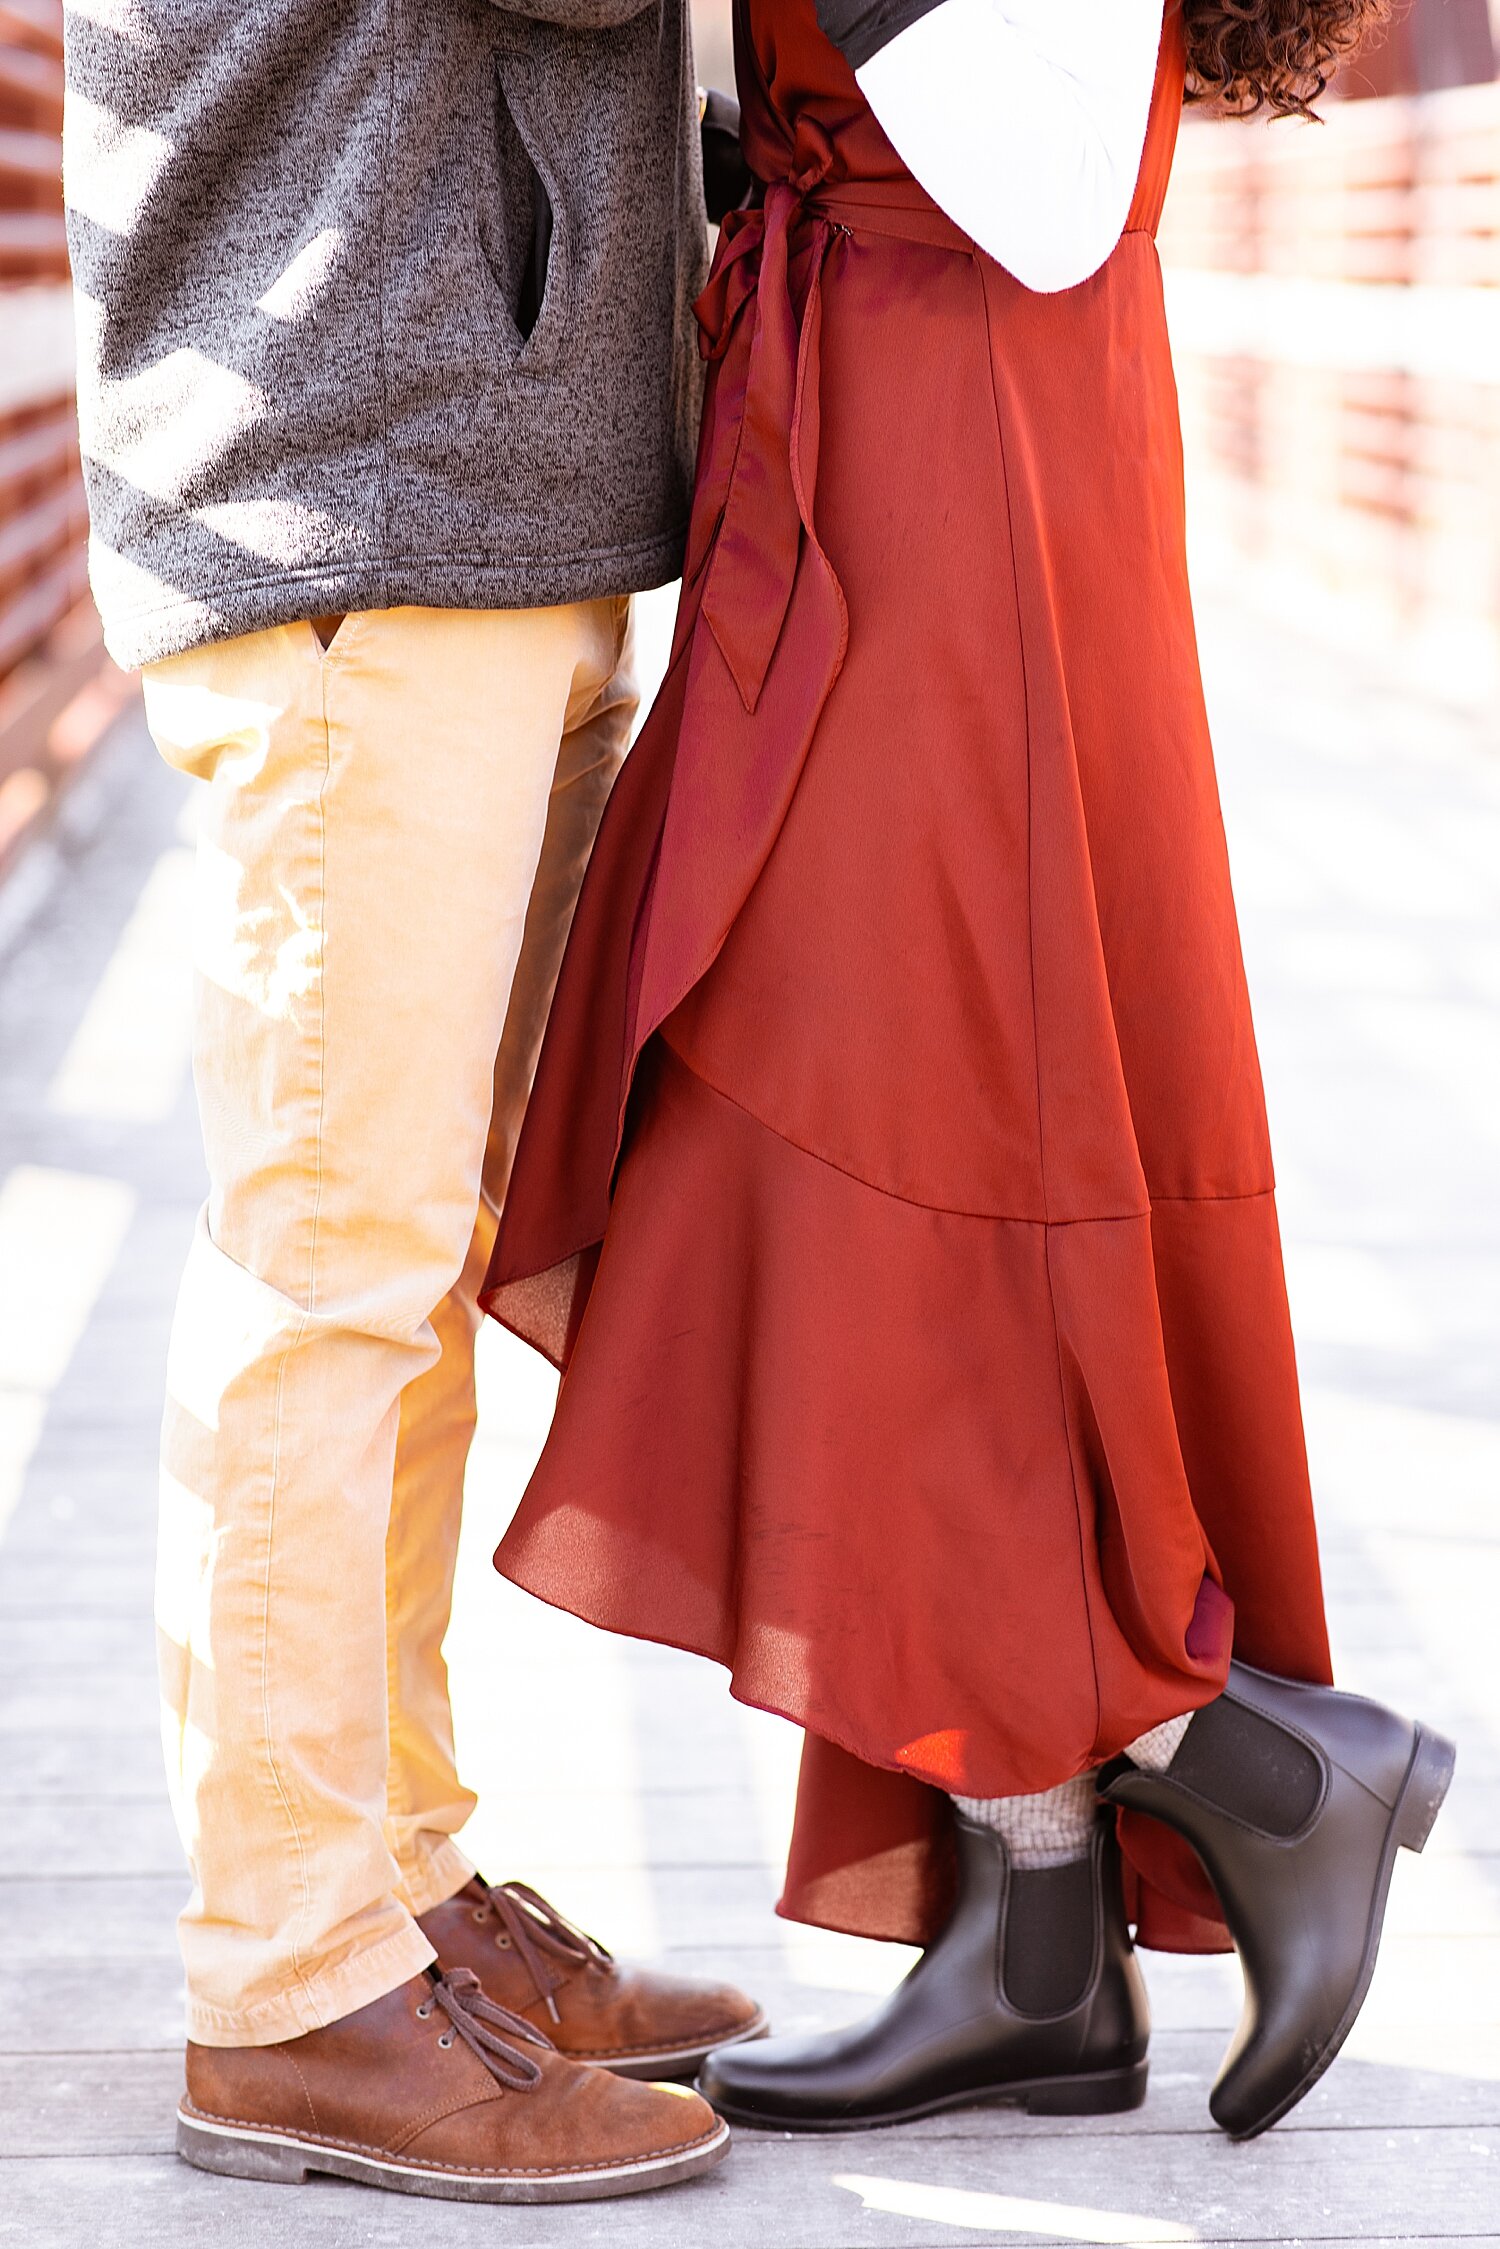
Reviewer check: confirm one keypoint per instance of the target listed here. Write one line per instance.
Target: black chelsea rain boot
(1031, 1995)
(1296, 1799)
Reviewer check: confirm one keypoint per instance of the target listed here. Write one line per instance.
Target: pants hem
(316, 2000)
(442, 1874)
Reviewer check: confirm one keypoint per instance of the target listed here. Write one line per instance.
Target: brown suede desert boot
(433, 2090)
(633, 2021)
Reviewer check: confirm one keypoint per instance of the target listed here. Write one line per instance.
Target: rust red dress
(896, 1192)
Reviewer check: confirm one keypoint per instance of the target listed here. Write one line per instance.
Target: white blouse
(1025, 121)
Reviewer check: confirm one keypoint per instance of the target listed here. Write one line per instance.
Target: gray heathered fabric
(298, 233)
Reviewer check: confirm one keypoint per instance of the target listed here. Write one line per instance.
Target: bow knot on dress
(767, 506)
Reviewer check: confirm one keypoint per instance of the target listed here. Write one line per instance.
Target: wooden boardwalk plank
(824, 2194)
(94, 2102)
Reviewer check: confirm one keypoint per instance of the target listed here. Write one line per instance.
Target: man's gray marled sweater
(380, 303)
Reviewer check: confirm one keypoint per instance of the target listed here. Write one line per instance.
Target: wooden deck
(1366, 837)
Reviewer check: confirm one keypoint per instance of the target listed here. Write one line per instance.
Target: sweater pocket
(522, 225)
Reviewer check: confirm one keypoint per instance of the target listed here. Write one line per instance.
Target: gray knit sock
(1050, 1829)
(1154, 1752)
(1056, 1826)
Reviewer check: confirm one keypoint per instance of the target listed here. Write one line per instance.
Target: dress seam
(1242, 1195)
(913, 1202)
(1036, 1047)
(813, 1155)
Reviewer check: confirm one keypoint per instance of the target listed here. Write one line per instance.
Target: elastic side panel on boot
(1249, 1766)
(1049, 1938)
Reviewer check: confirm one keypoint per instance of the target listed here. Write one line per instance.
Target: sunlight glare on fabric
(122, 17)
(137, 154)
(296, 289)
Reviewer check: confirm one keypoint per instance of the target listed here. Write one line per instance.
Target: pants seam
(299, 1968)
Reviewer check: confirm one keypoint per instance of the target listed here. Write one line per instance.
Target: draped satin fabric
(896, 1192)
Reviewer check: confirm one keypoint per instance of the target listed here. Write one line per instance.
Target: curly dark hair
(1245, 55)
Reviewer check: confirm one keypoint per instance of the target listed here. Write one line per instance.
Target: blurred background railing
(57, 691)
(1335, 301)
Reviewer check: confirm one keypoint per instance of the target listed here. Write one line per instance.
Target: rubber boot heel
(1102, 2095)
(274, 2162)
(1426, 1784)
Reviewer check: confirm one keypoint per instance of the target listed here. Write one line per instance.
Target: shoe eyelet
(481, 1912)
(424, 2010)
(446, 2039)
(502, 1944)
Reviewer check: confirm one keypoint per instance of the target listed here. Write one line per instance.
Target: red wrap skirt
(896, 1192)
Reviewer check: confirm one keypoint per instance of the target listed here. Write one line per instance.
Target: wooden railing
(1427, 44)
(57, 690)
(1335, 302)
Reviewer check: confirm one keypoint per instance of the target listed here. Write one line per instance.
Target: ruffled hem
(947, 1596)
(969, 1496)
(914, 1477)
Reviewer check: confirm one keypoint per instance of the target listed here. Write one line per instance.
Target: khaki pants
(393, 834)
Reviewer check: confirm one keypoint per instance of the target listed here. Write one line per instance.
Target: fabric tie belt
(758, 499)
(729, 736)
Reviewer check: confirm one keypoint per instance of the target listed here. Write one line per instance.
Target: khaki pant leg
(372, 825)
(427, 1801)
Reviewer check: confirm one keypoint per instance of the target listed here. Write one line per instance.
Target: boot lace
(477, 2021)
(551, 1948)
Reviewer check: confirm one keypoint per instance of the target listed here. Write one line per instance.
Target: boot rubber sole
(1428, 1779)
(1097, 2093)
(678, 2062)
(238, 2151)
